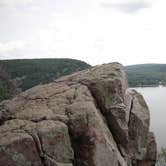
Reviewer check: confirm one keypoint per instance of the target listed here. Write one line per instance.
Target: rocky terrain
(89, 118)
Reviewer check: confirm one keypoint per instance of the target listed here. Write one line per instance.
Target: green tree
(161, 160)
(31, 72)
(7, 87)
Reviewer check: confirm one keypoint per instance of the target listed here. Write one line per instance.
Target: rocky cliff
(89, 118)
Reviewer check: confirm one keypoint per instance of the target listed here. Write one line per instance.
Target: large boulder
(89, 118)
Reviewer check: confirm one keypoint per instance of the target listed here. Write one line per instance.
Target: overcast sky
(96, 31)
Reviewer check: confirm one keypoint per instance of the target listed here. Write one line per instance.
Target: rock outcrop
(89, 118)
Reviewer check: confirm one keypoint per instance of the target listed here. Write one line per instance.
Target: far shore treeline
(20, 75)
(146, 75)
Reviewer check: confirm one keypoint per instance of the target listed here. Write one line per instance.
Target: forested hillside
(30, 72)
(146, 75)
(19, 75)
(7, 86)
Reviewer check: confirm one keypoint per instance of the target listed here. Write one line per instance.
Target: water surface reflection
(156, 100)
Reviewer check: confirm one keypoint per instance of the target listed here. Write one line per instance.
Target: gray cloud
(130, 7)
(13, 3)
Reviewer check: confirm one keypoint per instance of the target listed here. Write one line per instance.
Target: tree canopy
(146, 75)
(27, 73)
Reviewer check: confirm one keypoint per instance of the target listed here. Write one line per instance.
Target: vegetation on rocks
(161, 159)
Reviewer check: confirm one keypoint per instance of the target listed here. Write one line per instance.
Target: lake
(156, 99)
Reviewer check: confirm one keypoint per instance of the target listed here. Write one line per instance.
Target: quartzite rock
(89, 118)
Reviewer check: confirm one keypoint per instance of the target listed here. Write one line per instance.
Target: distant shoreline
(146, 86)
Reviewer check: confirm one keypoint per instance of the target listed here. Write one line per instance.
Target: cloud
(87, 32)
(13, 3)
(128, 6)
(12, 47)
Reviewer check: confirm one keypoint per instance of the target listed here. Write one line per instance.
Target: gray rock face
(89, 118)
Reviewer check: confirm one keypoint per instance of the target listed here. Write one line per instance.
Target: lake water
(156, 99)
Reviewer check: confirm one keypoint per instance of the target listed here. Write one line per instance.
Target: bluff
(89, 118)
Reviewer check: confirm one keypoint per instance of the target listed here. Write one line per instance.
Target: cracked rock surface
(89, 118)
